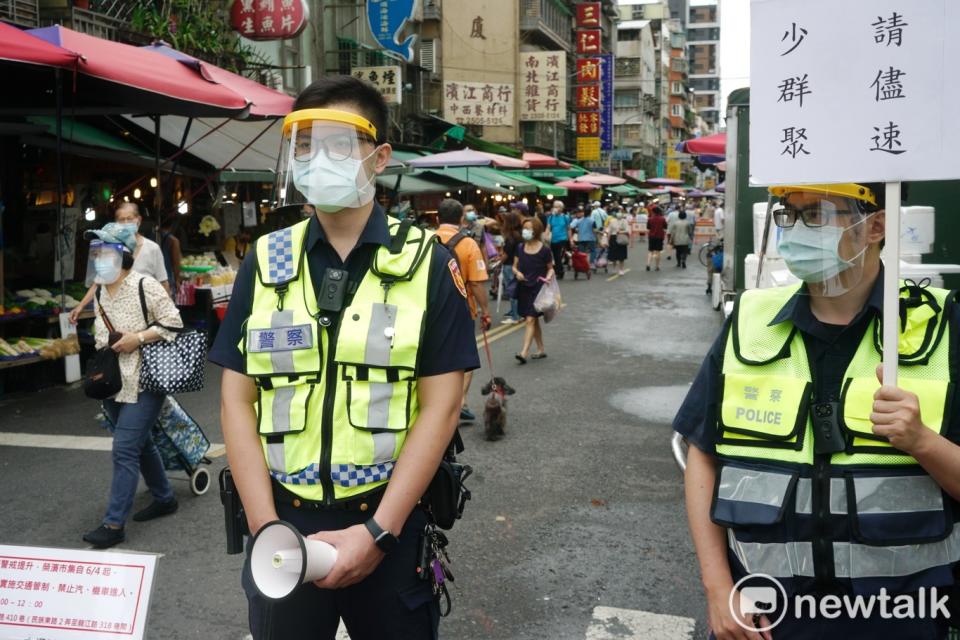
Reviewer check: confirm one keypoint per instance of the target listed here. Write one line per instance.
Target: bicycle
(707, 250)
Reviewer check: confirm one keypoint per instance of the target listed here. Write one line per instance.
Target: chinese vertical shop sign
(543, 86)
(853, 95)
(588, 15)
(478, 103)
(588, 92)
(387, 80)
(606, 102)
(269, 19)
(64, 594)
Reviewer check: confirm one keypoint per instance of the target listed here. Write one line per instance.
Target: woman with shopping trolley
(120, 326)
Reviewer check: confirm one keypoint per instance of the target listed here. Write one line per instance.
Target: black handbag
(102, 379)
(446, 496)
(172, 367)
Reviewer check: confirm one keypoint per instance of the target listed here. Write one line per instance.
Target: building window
(628, 35)
(676, 88)
(676, 110)
(627, 66)
(626, 98)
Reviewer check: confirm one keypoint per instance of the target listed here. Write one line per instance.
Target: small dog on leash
(495, 409)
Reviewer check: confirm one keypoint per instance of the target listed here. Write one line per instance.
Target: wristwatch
(140, 337)
(384, 540)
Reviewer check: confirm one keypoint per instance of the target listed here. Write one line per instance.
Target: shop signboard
(387, 19)
(478, 103)
(269, 19)
(588, 148)
(543, 86)
(606, 102)
(387, 80)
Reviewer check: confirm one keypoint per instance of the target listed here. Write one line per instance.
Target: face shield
(824, 234)
(326, 160)
(104, 262)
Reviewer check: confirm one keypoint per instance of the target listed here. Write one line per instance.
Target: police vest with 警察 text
(335, 399)
(862, 514)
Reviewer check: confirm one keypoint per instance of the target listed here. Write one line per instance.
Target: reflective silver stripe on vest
(897, 494)
(378, 417)
(838, 496)
(282, 396)
(851, 560)
(383, 320)
(750, 485)
(384, 445)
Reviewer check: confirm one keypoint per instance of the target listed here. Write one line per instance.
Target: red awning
(264, 101)
(542, 161)
(116, 77)
(577, 185)
(17, 46)
(714, 145)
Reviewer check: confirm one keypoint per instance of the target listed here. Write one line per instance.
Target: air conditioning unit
(430, 55)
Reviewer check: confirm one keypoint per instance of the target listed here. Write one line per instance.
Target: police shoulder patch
(457, 277)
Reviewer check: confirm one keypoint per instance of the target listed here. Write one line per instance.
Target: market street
(576, 528)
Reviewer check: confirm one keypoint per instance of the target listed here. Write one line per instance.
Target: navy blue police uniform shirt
(449, 343)
(830, 348)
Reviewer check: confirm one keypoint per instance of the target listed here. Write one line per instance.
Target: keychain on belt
(433, 564)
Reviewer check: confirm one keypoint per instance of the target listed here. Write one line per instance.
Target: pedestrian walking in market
(678, 235)
(342, 441)
(620, 234)
(803, 465)
(656, 232)
(533, 266)
(510, 226)
(473, 269)
(120, 325)
(558, 224)
(586, 235)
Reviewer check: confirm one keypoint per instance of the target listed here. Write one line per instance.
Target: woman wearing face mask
(621, 235)
(532, 266)
(147, 254)
(120, 324)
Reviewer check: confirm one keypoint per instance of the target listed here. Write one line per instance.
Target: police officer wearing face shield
(344, 349)
(802, 465)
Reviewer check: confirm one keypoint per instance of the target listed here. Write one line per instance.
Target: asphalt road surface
(576, 529)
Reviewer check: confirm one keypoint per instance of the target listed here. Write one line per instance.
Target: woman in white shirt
(147, 255)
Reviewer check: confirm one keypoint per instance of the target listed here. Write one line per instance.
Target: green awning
(487, 179)
(413, 184)
(80, 133)
(623, 190)
(545, 188)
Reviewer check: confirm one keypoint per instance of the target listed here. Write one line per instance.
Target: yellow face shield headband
(330, 115)
(847, 190)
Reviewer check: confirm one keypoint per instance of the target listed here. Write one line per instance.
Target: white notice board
(853, 91)
(71, 594)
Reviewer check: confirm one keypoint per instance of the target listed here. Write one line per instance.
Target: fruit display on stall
(46, 348)
(199, 264)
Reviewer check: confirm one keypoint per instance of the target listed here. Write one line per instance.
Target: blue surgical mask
(107, 269)
(813, 255)
(131, 227)
(471, 216)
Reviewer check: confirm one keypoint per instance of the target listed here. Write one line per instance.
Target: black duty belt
(366, 502)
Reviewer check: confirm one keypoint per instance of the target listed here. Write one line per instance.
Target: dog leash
(486, 346)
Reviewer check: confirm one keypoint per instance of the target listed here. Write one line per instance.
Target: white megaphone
(281, 559)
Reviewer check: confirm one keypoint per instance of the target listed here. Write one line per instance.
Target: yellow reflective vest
(335, 399)
(868, 515)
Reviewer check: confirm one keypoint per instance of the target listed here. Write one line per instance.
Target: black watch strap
(384, 540)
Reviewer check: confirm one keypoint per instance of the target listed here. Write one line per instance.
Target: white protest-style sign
(387, 80)
(72, 594)
(481, 103)
(856, 91)
(543, 85)
(853, 91)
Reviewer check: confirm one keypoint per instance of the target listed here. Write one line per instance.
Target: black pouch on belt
(447, 495)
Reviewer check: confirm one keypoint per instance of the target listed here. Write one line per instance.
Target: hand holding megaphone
(281, 559)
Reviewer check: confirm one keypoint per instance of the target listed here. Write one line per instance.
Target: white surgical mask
(527, 234)
(332, 186)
